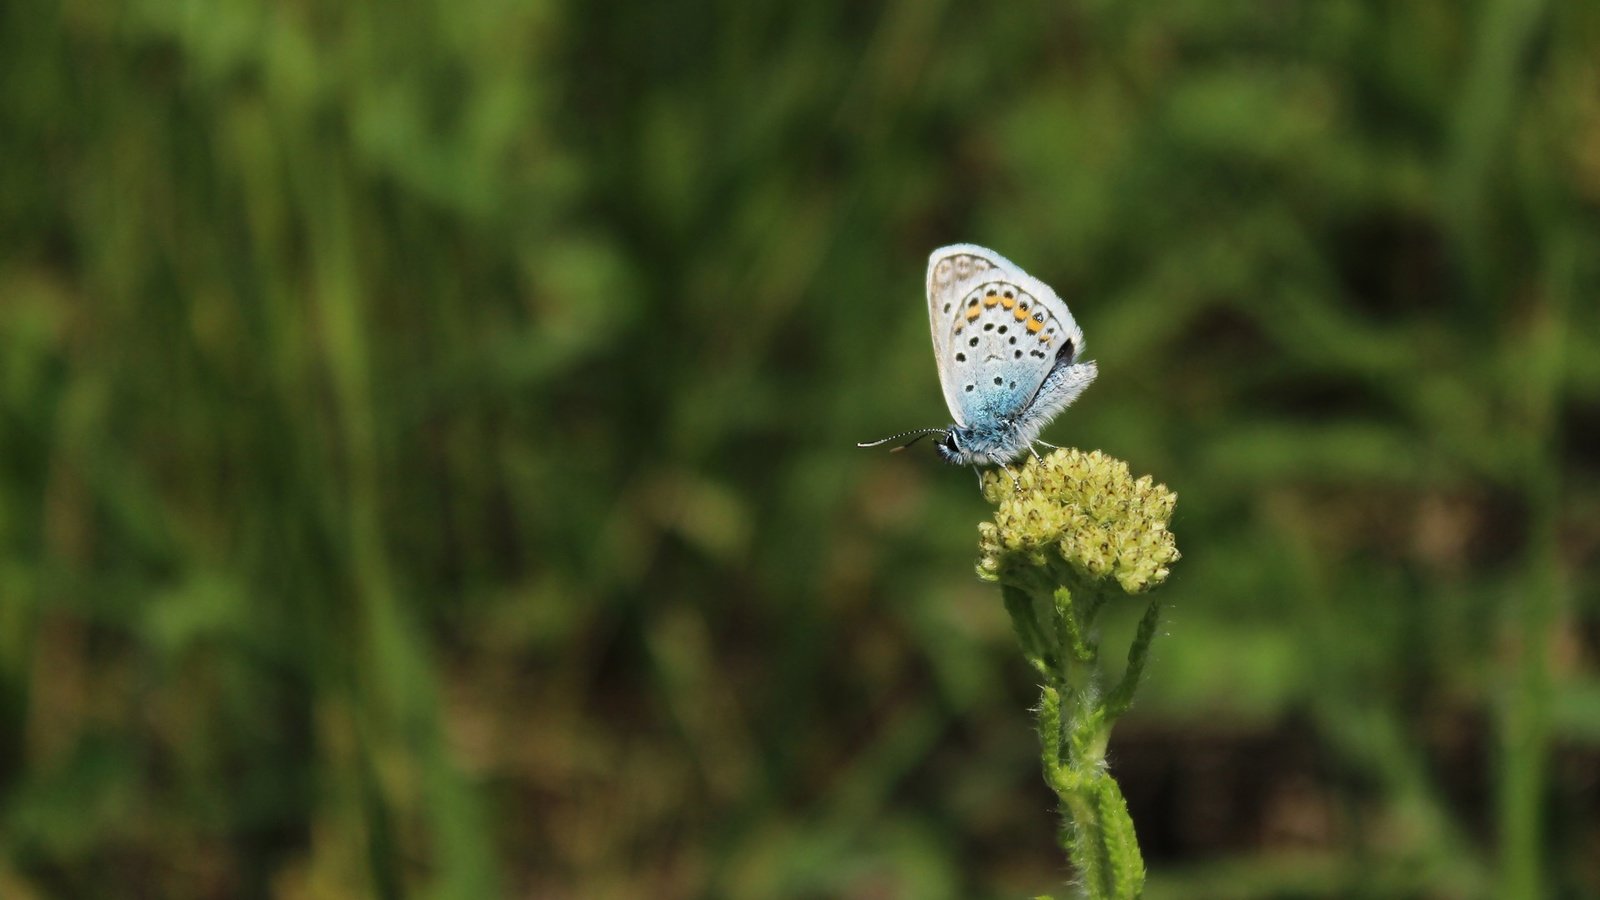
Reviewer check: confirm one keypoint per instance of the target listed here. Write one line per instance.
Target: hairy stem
(1075, 718)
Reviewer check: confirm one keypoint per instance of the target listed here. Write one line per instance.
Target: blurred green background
(427, 467)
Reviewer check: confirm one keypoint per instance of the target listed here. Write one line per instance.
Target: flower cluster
(1084, 509)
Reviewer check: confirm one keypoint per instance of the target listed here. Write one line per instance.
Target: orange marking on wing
(1034, 326)
(1008, 302)
(1020, 313)
(991, 300)
(973, 311)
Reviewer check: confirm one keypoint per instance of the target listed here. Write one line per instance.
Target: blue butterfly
(1008, 351)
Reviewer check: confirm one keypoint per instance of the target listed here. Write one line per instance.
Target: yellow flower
(1082, 509)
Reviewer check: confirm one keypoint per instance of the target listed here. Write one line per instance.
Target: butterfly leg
(1016, 483)
(978, 472)
(1047, 444)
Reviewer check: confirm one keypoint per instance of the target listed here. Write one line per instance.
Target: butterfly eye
(950, 442)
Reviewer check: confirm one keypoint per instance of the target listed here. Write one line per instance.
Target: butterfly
(1009, 356)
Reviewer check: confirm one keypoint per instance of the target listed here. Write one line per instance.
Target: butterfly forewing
(997, 332)
(950, 270)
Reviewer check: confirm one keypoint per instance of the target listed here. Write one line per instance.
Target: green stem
(1036, 646)
(1122, 697)
(1102, 843)
(1081, 837)
(1074, 727)
(1097, 831)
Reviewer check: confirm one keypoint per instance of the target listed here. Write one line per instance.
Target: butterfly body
(1008, 354)
(1003, 438)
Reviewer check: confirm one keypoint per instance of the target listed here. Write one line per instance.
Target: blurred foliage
(426, 435)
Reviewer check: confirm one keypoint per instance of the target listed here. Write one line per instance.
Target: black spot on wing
(1065, 355)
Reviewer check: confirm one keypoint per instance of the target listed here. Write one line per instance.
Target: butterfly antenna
(919, 433)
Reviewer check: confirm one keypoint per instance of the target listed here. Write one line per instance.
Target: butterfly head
(951, 446)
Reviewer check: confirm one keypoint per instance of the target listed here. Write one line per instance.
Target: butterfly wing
(950, 269)
(998, 334)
